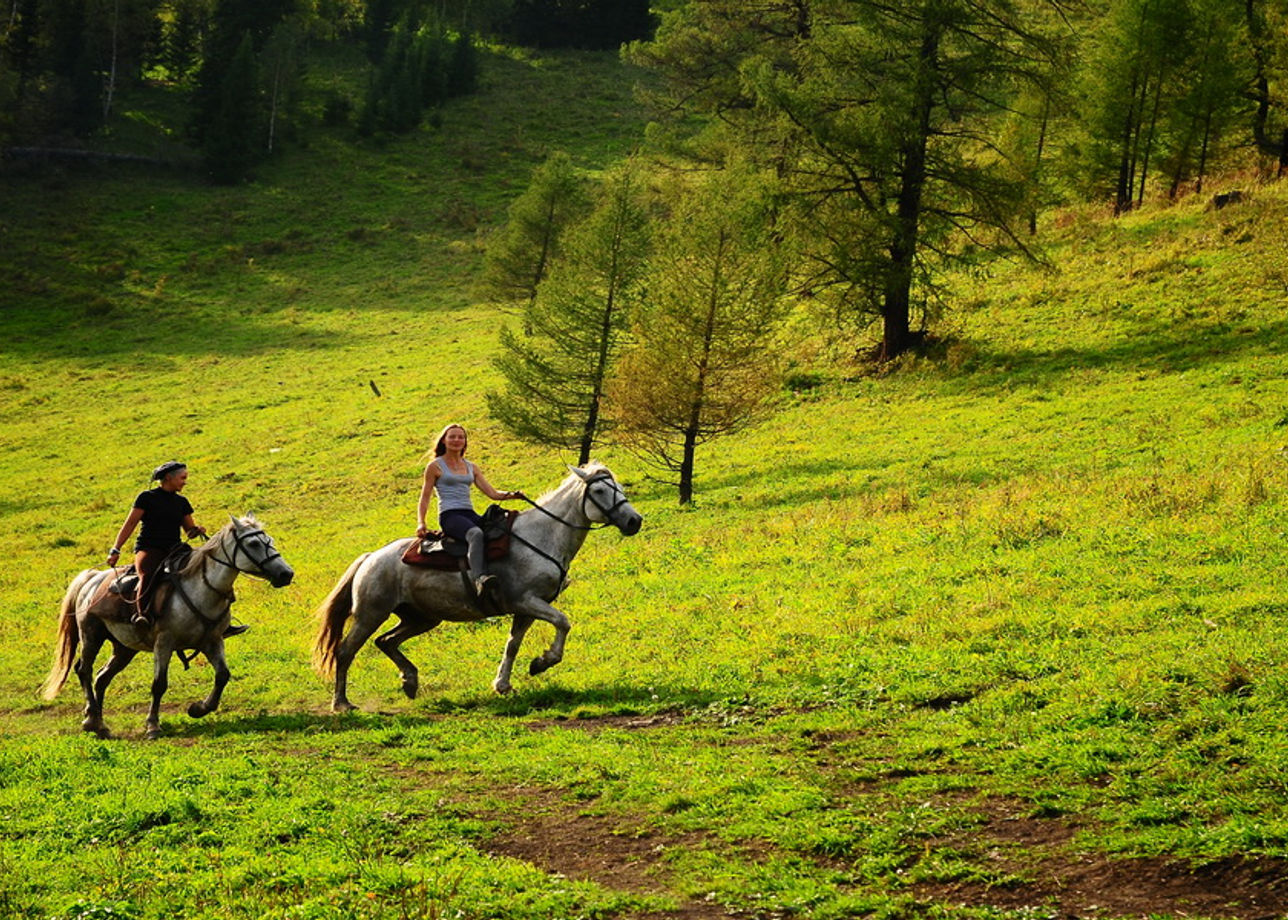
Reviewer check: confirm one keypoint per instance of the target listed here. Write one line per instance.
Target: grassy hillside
(996, 634)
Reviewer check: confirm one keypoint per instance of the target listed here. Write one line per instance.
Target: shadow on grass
(615, 699)
(69, 333)
(1165, 348)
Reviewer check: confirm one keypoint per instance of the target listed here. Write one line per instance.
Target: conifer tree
(703, 364)
(556, 375)
(519, 256)
(234, 138)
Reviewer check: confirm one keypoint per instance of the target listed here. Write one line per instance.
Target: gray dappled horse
(544, 540)
(193, 614)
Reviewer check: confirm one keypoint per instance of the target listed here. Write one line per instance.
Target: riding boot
(477, 555)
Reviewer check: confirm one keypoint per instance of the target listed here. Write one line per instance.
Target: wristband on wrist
(114, 551)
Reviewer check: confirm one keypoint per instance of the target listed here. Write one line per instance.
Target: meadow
(996, 632)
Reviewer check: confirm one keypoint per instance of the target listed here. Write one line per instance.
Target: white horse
(544, 541)
(193, 614)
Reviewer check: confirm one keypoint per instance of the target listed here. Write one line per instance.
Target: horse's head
(252, 551)
(603, 500)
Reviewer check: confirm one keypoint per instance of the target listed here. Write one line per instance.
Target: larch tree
(703, 362)
(556, 373)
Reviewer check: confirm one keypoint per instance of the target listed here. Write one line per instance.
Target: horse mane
(194, 560)
(571, 481)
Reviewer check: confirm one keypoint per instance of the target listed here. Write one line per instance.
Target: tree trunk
(1122, 194)
(686, 466)
(1203, 151)
(1149, 139)
(109, 90)
(1260, 82)
(896, 304)
(1037, 162)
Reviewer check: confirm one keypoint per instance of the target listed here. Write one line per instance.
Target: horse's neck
(566, 506)
(207, 575)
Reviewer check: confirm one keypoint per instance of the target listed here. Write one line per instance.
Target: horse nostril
(632, 527)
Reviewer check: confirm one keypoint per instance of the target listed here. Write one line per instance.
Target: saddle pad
(430, 554)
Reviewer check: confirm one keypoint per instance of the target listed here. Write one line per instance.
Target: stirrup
(236, 630)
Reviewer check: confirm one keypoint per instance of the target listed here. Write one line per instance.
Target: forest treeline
(239, 65)
(838, 158)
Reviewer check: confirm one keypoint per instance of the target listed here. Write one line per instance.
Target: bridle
(594, 525)
(226, 596)
(586, 496)
(239, 547)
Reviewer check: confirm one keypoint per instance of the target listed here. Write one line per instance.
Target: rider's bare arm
(486, 487)
(426, 490)
(131, 521)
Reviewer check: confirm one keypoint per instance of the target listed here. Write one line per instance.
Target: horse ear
(232, 517)
(581, 474)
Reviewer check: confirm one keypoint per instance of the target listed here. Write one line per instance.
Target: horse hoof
(539, 665)
(411, 687)
(152, 732)
(197, 710)
(342, 707)
(501, 688)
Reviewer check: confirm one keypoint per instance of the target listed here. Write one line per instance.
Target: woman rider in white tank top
(451, 476)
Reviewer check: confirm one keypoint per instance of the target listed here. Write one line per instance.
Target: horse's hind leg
(412, 625)
(518, 629)
(92, 636)
(121, 656)
(215, 655)
(160, 682)
(353, 640)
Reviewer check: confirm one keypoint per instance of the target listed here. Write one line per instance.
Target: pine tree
(519, 256)
(234, 138)
(879, 119)
(557, 374)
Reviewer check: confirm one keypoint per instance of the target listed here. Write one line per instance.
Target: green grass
(1035, 572)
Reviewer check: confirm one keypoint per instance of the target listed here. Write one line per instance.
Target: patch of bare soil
(1052, 875)
(1045, 871)
(559, 838)
(598, 723)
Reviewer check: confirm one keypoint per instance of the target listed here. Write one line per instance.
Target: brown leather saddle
(439, 551)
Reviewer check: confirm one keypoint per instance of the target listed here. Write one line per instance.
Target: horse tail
(68, 638)
(331, 616)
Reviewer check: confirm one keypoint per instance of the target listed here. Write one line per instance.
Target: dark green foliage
(422, 67)
(181, 44)
(232, 140)
(557, 373)
(520, 254)
(602, 24)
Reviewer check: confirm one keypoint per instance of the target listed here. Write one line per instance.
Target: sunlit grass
(1041, 562)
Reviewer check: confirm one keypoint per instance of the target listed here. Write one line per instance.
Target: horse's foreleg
(92, 636)
(518, 629)
(539, 609)
(215, 655)
(410, 627)
(160, 683)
